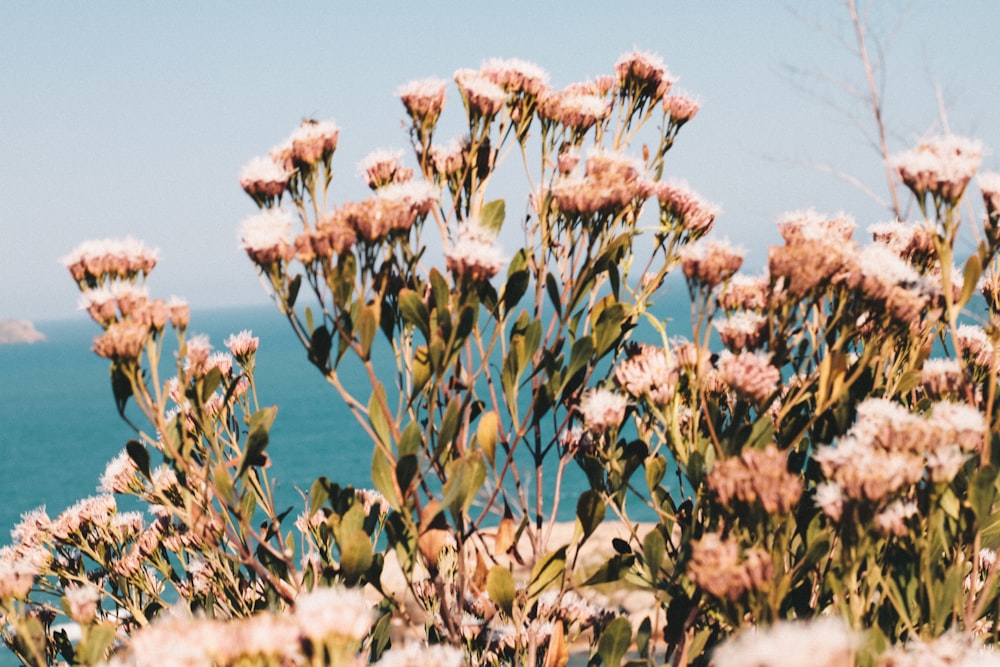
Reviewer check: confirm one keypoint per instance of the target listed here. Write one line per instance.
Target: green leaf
(440, 290)
(93, 648)
(421, 369)
(517, 281)
(319, 347)
(547, 572)
(224, 484)
(293, 291)
(366, 328)
(319, 493)
(486, 435)
(449, 425)
(611, 571)
(121, 387)
(615, 640)
(139, 455)
(377, 416)
(579, 359)
(466, 477)
(260, 427)
(590, 511)
(552, 288)
(656, 468)
(414, 312)
(382, 478)
(355, 555)
(500, 588)
(983, 491)
(653, 548)
(971, 274)
(492, 215)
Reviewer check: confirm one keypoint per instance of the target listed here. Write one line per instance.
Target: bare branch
(875, 103)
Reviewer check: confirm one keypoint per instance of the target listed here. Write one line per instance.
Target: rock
(19, 331)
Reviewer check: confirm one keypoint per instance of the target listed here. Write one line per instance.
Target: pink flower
(93, 262)
(264, 179)
(423, 99)
(644, 74)
(798, 226)
(681, 207)
(577, 111)
(383, 167)
(710, 262)
(243, 345)
(602, 409)
(941, 166)
(474, 255)
(516, 76)
(681, 107)
(750, 374)
(313, 141)
(122, 341)
(265, 237)
(649, 372)
(482, 97)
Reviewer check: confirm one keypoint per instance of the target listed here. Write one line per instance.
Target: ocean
(59, 426)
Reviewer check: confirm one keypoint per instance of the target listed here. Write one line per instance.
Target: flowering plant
(816, 459)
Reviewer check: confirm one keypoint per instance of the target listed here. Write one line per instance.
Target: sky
(122, 119)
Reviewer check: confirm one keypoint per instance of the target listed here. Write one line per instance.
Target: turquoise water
(59, 426)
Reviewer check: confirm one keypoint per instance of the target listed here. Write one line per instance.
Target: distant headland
(19, 331)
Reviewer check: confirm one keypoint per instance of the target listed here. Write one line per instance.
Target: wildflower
(474, 256)
(313, 141)
(383, 167)
(265, 237)
(373, 500)
(196, 353)
(951, 649)
(958, 423)
(84, 516)
(940, 166)
(17, 576)
(743, 292)
(830, 498)
(264, 179)
(451, 158)
(751, 374)
(33, 527)
(423, 99)
(482, 97)
(681, 107)
(602, 410)
(649, 372)
(757, 476)
(100, 303)
(93, 262)
(415, 654)
(516, 76)
(681, 207)
(180, 312)
(611, 182)
(797, 226)
(420, 196)
(807, 265)
(989, 287)
(567, 161)
(643, 75)
(942, 377)
(989, 186)
(325, 614)
(577, 111)
(82, 600)
(122, 341)
(716, 567)
(710, 262)
(333, 235)
(575, 441)
(119, 474)
(742, 330)
(821, 642)
(892, 519)
(976, 348)
(893, 285)
(242, 345)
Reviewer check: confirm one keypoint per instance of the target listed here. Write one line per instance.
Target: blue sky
(135, 118)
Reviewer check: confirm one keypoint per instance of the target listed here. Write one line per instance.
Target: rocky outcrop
(19, 331)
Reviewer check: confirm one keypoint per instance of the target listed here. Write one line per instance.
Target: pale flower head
(821, 642)
(516, 76)
(474, 255)
(263, 178)
(94, 262)
(989, 186)
(683, 208)
(941, 166)
(313, 141)
(644, 75)
(681, 107)
(266, 236)
(749, 373)
(325, 613)
(710, 262)
(482, 97)
(423, 99)
(602, 409)
(242, 345)
(382, 167)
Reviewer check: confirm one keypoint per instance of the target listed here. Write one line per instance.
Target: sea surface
(59, 426)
